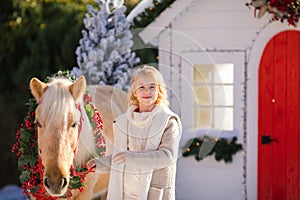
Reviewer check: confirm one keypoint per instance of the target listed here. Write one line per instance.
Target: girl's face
(146, 92)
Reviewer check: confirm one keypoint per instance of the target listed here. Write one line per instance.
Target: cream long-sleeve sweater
(150, 168)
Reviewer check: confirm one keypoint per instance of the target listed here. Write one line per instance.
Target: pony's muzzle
(56, 187)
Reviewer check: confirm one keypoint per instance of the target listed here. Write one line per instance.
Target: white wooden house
(231, 74)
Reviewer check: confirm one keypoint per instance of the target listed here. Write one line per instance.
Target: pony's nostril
(64, 183)
(46, 184)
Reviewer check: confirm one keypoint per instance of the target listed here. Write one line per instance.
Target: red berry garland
(27, 153)
(281, 10)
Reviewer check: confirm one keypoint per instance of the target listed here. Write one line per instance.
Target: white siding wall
(214, 24)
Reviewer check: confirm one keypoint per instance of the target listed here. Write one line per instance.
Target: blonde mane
(56, 102)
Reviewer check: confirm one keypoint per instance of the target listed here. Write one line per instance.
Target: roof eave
(154, 29)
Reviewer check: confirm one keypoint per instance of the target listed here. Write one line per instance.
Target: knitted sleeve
(103, 164)
(165, 155)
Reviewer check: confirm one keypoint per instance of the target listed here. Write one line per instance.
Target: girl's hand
(91, 165)
(119, 158)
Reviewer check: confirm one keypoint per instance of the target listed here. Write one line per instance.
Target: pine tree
(104, 56)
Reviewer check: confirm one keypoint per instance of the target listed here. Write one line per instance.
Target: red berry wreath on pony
(29, 153)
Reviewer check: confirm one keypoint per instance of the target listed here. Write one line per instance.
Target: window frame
(212, 84)
(192, 58)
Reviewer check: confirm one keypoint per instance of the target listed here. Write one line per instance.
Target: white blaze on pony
(58, 119)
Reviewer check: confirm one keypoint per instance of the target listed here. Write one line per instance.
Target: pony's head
(57, 121)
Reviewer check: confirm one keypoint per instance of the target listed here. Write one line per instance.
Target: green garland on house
(222, 149)
(149, 14)
(143, 19)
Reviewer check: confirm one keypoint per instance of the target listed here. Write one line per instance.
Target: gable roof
(150, 33)
(139, 8)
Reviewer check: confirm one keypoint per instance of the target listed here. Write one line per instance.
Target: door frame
(256, 52)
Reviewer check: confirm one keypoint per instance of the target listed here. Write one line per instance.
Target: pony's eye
(74, 125)
(38, 124)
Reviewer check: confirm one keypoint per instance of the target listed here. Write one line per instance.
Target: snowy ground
(11, 192)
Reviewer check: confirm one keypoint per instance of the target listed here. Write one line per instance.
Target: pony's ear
(77, 89)
(37, 88)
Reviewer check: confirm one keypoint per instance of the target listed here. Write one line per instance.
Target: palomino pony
(58, 119)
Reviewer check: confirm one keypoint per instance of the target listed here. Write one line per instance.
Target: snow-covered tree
(104, 53)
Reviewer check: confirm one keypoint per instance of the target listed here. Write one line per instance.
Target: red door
(278, 119)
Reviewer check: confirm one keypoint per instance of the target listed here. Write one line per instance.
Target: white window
(213, 85)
